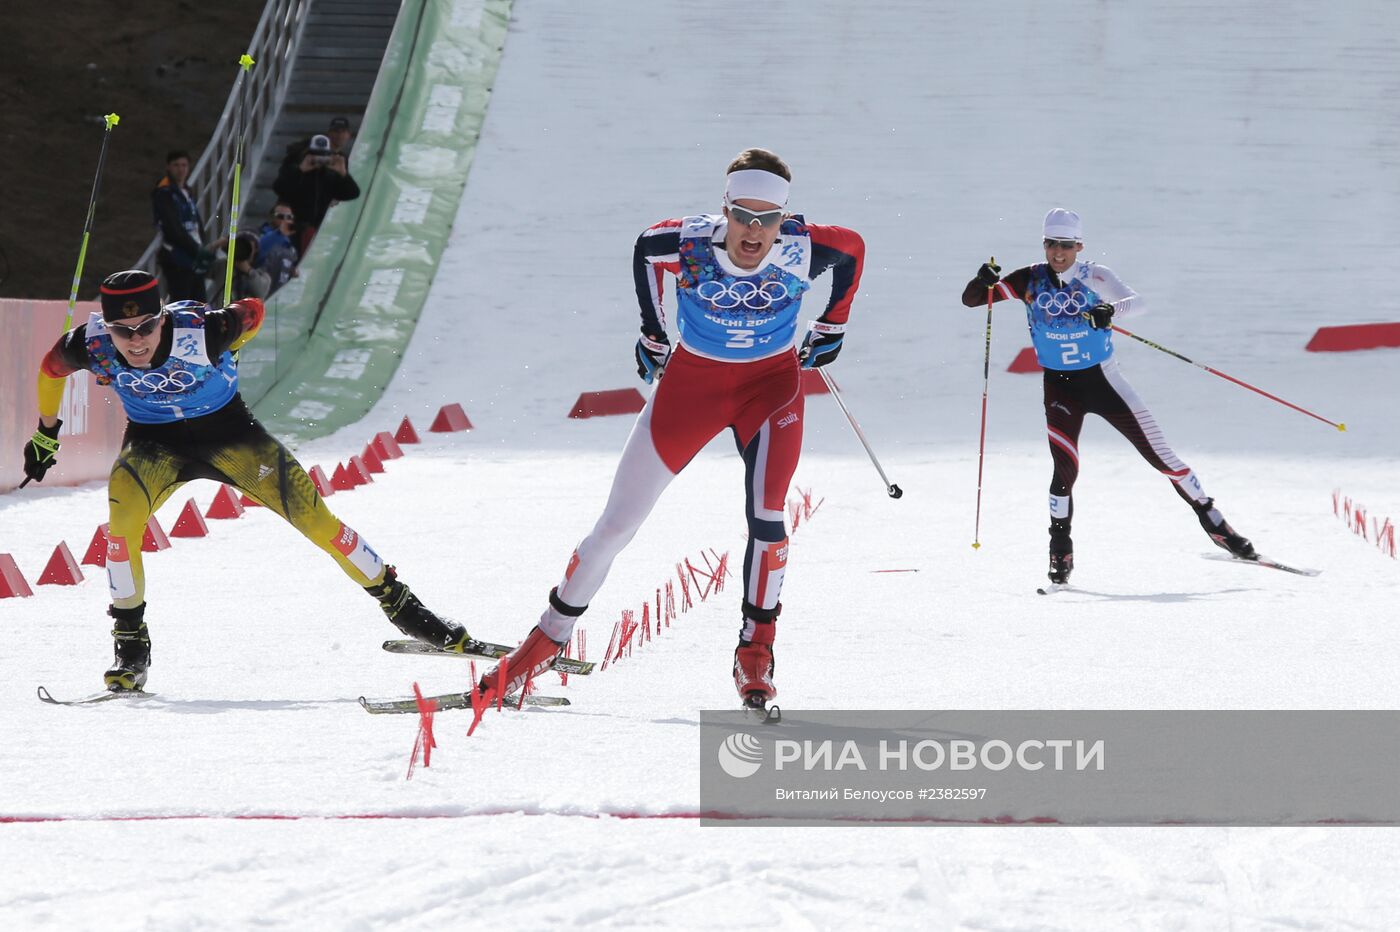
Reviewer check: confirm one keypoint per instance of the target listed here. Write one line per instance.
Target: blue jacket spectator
(277, 253)
(183, 258)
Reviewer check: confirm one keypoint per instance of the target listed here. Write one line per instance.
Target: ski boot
(753, 660)
(1061, 565)
(1224, 536)
(533, 657)
(1061, 553)
(414, 619)
(132, 650)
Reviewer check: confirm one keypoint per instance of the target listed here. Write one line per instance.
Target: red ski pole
(1228, 378)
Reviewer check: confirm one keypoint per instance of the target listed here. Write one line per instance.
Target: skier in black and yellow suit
(173, 369)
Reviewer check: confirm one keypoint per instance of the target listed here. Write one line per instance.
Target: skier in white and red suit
(740, 278)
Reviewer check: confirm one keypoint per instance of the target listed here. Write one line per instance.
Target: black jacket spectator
(311, 184)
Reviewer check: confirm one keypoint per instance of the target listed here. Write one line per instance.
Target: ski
(481, 649)
(1052, 588)
(105, 696)
(451, 701)
(758, 710)
(1264, 561)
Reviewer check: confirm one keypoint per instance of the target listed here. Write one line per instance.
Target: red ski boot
(753, 658)
(525, 663)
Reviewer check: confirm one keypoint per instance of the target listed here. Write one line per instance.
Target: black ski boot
(1224, 536)
(1061, 552)
(413, 618)
(132, 650)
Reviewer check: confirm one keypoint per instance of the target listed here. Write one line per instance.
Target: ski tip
(45, 695)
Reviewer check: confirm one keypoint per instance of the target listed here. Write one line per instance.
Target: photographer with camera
(312, 183)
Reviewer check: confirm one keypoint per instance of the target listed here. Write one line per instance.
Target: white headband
(757, 184)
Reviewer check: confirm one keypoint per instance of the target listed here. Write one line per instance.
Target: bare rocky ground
(165, 67)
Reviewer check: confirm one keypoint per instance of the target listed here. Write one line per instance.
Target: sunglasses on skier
(143, 329)
(1060, 243)
(744, 217)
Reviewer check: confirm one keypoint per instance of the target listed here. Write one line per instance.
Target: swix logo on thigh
(787, 419)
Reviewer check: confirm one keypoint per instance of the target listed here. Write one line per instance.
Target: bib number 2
(1069, 354)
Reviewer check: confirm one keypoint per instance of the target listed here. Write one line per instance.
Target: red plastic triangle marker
(154, 539)
(372, 461)
(385, 445)
(358, 471)
(225, 505)
(97, 550)
(62, 569)
(406, 433)
(190, 523)
(451, 418)
(323, 485)
(12, 584)
(341, 479)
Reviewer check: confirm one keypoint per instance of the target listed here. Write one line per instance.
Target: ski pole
(111, 120)
(893, 490)
(1228, 378)
(982, 440)
(245, 62)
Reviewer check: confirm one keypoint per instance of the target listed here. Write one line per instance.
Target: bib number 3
(740, 339)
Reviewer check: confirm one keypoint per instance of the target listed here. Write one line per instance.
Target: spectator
(277, 253)
(183, 258)
(248, 281)
(339, 134)
(312, 184)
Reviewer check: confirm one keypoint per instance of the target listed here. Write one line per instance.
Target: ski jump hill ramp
(1235, 167)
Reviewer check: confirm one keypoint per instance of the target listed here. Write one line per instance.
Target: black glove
(821, 345)
(1101, 316)
(989, 274)
(652, 356)
(40, 453)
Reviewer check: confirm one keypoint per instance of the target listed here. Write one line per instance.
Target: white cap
(1063, 224)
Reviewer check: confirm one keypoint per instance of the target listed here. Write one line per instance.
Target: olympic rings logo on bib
(148, 383)
(1058, 303)
(746, 294)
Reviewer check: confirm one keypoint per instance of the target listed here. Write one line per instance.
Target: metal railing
(274, 49)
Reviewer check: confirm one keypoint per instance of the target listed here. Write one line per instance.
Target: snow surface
(1237, 165)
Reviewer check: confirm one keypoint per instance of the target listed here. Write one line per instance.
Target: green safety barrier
(334, 337)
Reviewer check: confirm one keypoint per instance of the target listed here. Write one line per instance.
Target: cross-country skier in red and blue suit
(740, 278)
